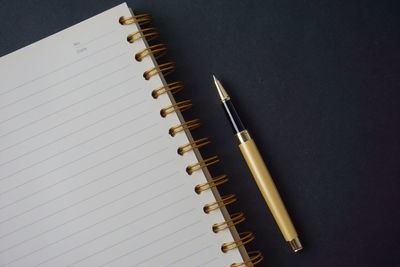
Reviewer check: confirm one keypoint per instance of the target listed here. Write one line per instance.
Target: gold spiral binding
(202, 164)
(182, 106)
(189, 125)
(148, 33)
(216, 181)
(236, 218)
(225, 200)
(171, 87)
(255, 257)
(158, 50)
(165, 69)
(244, 238)
(139, 19)
(192, 145)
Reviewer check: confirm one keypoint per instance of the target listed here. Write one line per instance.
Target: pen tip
(221, 91)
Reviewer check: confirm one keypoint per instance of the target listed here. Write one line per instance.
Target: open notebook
(89, 169)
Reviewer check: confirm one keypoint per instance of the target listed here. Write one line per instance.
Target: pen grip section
(268, 189)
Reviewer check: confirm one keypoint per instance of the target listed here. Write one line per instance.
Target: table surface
(316, 82)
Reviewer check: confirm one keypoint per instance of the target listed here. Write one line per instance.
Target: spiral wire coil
(159, 50)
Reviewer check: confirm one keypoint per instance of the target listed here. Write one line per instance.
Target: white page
(88, 173)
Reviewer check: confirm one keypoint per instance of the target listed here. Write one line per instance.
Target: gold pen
(260, 172)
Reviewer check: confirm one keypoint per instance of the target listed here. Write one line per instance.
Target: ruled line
(60, 96)
(60, 68)
(61, 82)
(207, 262)
(69, 120)
(76, 188)
(167, 250)
(91, 153)
(55, 242)
(151, 243)
(71, 105)
(86, 155)
(83, 142)
(75, 204)
(130, 237)
(190, 255)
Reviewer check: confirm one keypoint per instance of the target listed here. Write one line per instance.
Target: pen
(260, 172)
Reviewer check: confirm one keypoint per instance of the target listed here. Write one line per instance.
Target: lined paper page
(88, 173)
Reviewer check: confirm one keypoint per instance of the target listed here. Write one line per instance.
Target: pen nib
(221, 91)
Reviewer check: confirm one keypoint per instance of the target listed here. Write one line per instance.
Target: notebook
(97, 164)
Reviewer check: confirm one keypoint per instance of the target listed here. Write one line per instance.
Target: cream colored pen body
(260, 172)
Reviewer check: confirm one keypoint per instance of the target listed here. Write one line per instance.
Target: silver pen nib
(221, 91)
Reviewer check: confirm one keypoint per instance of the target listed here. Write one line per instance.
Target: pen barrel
(268, 188)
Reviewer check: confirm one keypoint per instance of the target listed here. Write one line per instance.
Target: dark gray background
(316, 82)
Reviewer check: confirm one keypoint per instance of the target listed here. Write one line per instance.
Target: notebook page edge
(207, 174)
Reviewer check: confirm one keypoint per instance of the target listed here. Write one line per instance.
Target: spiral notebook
(97, 165)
